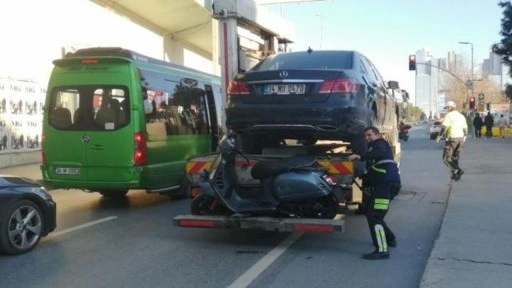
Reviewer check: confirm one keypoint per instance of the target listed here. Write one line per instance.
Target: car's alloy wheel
(21, 229)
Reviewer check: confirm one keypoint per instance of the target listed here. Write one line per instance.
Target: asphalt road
(133, 243)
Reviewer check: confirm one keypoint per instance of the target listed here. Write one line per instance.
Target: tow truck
(329, 154)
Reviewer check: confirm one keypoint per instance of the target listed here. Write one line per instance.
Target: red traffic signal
(412, 62)
(472, 103)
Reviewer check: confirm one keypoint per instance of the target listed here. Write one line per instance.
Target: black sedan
(27, 213)
(309, 96)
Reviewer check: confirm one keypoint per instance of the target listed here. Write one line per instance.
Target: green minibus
(116, 120)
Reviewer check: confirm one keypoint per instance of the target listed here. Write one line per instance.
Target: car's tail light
(340, 85)
(43, 154)
(141, 150)
(238, 87)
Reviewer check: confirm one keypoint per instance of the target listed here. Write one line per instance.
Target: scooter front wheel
(206, 205)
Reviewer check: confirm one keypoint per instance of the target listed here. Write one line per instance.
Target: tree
(504, 47)
(454, 85)
(508, 91)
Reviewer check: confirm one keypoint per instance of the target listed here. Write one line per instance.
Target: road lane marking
(245, 279)
(85, 225)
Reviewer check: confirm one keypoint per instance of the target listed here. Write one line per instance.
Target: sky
(388, 31)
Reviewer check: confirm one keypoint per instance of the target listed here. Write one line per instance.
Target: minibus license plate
(285, 89)
(67, 170)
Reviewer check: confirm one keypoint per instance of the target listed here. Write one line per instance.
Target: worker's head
(371, 133)
(450, 105)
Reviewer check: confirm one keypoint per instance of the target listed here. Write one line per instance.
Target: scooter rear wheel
(206, 205)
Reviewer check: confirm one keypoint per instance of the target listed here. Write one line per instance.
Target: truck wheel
(185, 190)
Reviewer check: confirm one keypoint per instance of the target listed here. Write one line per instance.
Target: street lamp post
(471, 78)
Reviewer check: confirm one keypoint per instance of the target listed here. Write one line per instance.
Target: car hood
(16, 181)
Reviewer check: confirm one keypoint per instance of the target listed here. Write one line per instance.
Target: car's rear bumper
(320, 121)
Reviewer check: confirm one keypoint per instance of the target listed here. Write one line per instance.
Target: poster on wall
(21, 115)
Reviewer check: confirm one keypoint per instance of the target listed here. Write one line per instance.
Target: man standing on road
(382, 183)
(489, 123)
(455, 128)
(478, 123)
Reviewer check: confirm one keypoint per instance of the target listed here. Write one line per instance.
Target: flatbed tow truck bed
(331, 156)
(262, 223)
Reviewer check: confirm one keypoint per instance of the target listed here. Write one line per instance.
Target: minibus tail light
(141, 150)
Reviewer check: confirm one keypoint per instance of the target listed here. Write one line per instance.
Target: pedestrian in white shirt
(502, 123)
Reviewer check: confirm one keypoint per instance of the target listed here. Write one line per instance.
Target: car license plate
(285, 89)
(67, 170)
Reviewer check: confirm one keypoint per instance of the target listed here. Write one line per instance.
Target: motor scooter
(291, 187)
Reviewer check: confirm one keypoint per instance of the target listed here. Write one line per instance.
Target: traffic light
(472, 103)
(412, 62)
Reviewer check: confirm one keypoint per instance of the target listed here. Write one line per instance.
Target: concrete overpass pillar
(173, 50)
(215, 48)
(228, 37)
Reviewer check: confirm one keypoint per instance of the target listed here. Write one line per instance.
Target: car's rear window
(305, 60)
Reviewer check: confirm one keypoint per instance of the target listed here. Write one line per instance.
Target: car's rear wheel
(358, 143)
(21, 227)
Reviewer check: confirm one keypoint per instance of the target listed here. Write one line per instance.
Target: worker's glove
(438, 139)
(464, 139)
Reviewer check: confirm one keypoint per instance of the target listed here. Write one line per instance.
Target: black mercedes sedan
(309, 96)
(27, 213)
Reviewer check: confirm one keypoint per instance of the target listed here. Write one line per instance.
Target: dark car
(310, 96)
(435, 129)
(27, 213)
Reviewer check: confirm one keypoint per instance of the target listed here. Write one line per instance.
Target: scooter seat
(268, 168)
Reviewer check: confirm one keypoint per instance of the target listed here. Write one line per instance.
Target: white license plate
(285, 89)
(67, 170)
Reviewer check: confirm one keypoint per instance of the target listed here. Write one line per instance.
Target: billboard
(21, 115)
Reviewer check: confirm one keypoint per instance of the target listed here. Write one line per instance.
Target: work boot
(458, 174)
(376, 255)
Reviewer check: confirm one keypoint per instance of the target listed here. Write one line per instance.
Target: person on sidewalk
(489, 123)
(455, 128)
(381, 184)
(478, 123)
(469, 119)
(502, 123)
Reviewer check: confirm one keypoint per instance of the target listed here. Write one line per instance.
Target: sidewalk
(26, 170)
(473, 246)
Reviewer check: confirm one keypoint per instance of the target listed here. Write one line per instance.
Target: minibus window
(89, 108)
(179, 105)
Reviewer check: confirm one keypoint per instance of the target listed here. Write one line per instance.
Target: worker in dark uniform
(381, 183)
